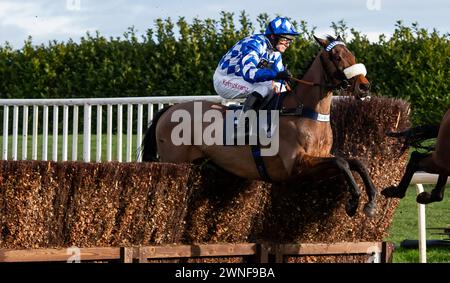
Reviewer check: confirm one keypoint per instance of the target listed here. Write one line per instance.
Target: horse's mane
(303, 70)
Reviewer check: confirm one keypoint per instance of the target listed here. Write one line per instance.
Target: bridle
(342, 76)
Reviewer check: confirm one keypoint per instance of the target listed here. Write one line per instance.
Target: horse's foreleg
(317, 165)
(371, 206)
(437, 194)
(413, 166)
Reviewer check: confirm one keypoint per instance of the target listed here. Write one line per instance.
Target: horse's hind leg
(371, 206)
(437, 194)
(411, 168)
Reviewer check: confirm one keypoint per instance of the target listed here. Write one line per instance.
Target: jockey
(251, 67)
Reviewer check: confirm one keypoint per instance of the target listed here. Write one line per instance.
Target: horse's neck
(317, 98)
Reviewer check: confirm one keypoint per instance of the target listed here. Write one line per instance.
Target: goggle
(285, 39)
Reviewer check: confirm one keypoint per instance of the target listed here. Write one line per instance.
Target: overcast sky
(60, 20)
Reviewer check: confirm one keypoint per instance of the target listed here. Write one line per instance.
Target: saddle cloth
(247, 128)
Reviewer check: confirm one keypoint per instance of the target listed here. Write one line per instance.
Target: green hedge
(179, 58)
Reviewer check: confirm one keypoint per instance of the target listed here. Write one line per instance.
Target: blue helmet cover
(281, 26)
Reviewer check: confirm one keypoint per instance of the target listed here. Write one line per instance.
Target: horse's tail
(148, 145)
(415, 136)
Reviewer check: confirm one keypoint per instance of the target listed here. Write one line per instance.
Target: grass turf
(405, 226)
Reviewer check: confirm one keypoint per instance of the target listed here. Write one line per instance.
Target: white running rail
(110, 108)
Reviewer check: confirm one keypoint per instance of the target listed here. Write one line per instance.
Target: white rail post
(150, 114)
(25, 133)
(129, 132)
(65, 133)
(98, 157)
(109, 115)
(34, 140)
(45, 134)
(15, 131)
(5, 132)
(55, 133)
(140, 117)
(75, 134)
(87, 133)
(119, 132)
(422, 228)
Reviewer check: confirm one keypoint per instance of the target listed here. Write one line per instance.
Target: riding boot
(265, 103)
(252, 101)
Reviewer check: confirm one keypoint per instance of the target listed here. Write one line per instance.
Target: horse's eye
(336, 56)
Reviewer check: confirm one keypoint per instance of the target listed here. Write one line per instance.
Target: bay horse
(305, 142)
(435, 162)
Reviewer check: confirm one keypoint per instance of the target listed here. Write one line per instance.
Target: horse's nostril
(364, 87)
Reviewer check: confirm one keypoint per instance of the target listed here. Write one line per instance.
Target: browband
(352, 71)
(333, 44)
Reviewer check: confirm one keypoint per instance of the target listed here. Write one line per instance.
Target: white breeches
(232, 86)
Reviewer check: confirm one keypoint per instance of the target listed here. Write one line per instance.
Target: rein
(312, 84)
(303, 111)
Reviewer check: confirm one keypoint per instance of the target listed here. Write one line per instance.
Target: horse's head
(341, 67)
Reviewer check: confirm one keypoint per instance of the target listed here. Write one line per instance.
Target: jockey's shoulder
(259, 37)
(257, 40)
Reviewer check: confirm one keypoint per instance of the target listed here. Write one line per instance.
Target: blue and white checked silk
(253, 58)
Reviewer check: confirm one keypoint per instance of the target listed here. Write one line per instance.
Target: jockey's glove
(283, 75)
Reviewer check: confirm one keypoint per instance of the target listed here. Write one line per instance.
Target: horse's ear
(323, 42)
(339, 38)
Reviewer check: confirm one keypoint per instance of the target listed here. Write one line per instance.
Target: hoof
(424, 198)
(392, 192)
(351, 207)
(370, 209)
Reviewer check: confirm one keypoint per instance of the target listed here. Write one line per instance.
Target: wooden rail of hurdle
(259, 252)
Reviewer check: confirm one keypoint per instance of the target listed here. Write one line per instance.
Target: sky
(60, 20)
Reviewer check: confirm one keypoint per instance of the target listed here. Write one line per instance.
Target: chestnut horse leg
(437, 194)
(413, 165)
(371, 205)
(317, 165)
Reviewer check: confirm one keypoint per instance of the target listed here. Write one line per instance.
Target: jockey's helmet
(281, 27)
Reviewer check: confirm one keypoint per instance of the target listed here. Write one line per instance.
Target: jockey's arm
(249, 65)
